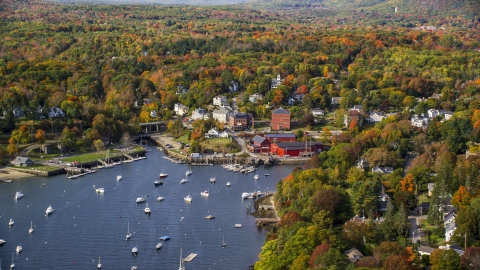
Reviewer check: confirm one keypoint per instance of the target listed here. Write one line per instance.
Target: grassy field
(218, 145)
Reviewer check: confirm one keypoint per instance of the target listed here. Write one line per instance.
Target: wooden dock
(190, 257)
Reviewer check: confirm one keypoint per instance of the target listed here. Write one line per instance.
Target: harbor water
(86, 224)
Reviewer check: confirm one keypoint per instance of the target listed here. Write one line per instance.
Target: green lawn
(38, 167)
(184, 139)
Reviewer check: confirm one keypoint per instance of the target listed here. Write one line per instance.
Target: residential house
(449, 218)
(424, 207)
(233, 86)
(353, 116)
(55, 112)
(240, 121)
(382, 170)
(196, 155)
(181, 89)
(18, 112)
(153, 114)
(432, 113)
(212, 133)
(437, 96)
(276, 82)
(260, 145)
(200, 114)
(180, 109)
(354, 255)
(362, 164)
(295, 148)
(281, 137)
(420, 121)
(449, 230)
(255, 98)
(425, 250)
(280, 119)
(223, 134)
(22, 161)
(221, 115)
(430, 187)
(358, 108)
(336, 100)
(375, 117)
(220, 101)
(107, 141)
(318, 112)
(382, 206)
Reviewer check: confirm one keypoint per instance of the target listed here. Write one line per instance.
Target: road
(415, 231)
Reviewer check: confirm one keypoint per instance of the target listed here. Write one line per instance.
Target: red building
(260, 145)
(240, 121)
(281, 137)
(295, 148)
(280, 119)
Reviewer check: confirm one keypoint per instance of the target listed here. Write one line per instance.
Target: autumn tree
(40, 136)
(471, 258)
(99, 146)
(68, 138)
(461, 197)
(406, 184)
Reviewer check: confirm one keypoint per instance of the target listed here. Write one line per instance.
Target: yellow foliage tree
(461, 197)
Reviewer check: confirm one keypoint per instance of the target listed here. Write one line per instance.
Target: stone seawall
(40, 173)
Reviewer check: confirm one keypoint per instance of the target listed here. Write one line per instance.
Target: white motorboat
(12, 265)
(163, 175)
(100, 190)
(245, 195)
(18, 195)
(19, 249)
(159, 246)
(133, 268)
(255, 177)
(119, 177)
(205, 193)
(147, 210)
(140, 200)
(189, 172)
(213, 179)
(2, 242)
(129, 235)
(160, 198)
(183, 181)
(99, 265)
(49, 210)
(31, 227)
(188, 198)
(11, 222)
(228, 184)
(158, 183)
(135, 251)
(266, 172)
(181, 267)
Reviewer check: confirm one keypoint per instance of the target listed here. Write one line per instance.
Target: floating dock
(81, 174)
(190, 257)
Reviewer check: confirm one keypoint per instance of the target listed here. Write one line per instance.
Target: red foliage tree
(397, 262)
(289, 219)
(471, 258)
(319, 251)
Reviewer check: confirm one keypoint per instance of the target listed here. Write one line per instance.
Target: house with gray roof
(22, 161)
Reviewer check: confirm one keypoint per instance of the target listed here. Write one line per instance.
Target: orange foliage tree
(461, 197)
(407, 183)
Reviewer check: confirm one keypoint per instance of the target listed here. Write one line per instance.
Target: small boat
(19, 249)
(43, 184)
(163, 175)
(164, 238)
(204, 193)
(11, 222)
(12, 265)
(49, 210)
(159, 246)
(238, 225)
(147, 210)
(209, 217)
(2, 242)
(228, 184)
(188, 198)
(255, 177)
(99, 265)
(119, 177)
(245, 195)
(160, 198)
(181, 267)
(140, 200)
(181, 219)
(158, 183)
(129, 235)
(100, 190)
(133, 268)
(183, 181)
(212, 180)
(189, 172)
(18, 195)
(135, 251)
(223, 242)
(31, 227)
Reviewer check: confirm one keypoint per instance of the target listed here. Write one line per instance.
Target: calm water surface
(86, 224)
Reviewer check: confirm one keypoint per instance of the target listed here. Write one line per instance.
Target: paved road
(26, 150)
(415, 231)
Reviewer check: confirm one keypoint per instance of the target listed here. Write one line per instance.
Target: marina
(85, 229)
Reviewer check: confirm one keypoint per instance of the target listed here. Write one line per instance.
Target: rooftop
(280, 111)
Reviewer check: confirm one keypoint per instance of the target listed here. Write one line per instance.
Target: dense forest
(99, 63)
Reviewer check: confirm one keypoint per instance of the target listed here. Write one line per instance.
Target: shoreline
(11, 174)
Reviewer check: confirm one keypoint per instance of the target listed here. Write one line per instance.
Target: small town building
(240, 121)
(276, 82)
(55, 112)
(221, 115)
(280, 119)
(220, 101)
(153, 114)
(449, 230)
(22, 161)
(336, 100)
(353, 116)
(260, 145)
(375, 117)
(295, 149)
(18, 112)
(200, 113)
(362, 164)
(255, 98)
(180, 109)
(382, 170)
(233, 86)
(354, 255)
(107, 141)
(212, 133)
(425, 250)
(318, 112)
(281, 137)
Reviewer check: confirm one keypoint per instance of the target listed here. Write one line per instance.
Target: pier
(190, 257)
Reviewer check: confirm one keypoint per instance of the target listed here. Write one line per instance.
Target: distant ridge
(154, 2)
